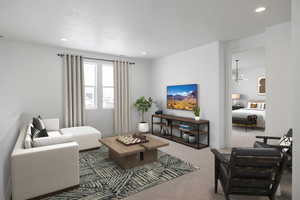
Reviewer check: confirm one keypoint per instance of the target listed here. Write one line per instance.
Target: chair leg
(272, 197)
(227, 197)
(216, 185)
(216, 174)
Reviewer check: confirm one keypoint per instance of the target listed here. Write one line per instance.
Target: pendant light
(238, 77)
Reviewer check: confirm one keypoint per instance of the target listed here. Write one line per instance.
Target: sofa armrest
(42, 170)
(51, 124)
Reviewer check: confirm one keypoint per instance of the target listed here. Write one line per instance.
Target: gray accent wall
(31, 83)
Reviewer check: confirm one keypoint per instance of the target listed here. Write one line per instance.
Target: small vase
(197, 118)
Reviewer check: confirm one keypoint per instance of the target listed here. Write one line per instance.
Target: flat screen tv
(182, 97)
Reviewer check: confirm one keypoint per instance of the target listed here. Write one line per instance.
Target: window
(90, 84)
(108, 86)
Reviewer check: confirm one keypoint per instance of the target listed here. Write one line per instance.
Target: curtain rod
(89, 58)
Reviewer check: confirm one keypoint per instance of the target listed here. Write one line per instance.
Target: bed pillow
(252, 105)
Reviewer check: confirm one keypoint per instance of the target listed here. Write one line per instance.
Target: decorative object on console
(182, 97)
(185, 137)
(196, 111)
(192, 139)
(158, 112)
(143, 105)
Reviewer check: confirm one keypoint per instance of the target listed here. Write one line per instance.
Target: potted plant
(196, 111)
(143, 105)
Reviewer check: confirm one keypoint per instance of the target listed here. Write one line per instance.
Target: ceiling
(252, 58)
(129, 27)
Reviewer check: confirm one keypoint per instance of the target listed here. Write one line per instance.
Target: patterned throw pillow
(36, 133)
(286, 142)
(38, 123)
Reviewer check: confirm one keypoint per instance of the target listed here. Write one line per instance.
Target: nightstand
(236, 107)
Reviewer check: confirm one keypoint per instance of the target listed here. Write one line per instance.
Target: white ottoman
(87, 137)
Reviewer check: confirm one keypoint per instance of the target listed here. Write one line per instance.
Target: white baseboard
(8, 190)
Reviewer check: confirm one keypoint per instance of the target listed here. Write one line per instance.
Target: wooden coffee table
(134, 155)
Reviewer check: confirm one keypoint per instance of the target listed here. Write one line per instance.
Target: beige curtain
(74, 91)
(121, 97)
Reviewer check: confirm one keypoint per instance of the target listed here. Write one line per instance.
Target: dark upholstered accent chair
(249, 171)
(285, 144)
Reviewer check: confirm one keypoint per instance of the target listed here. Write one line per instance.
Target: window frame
(95, 106)
(103, 87)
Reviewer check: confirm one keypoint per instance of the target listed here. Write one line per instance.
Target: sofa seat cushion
(46, 141)
(80, 131)
(54, 134)
(87, 137)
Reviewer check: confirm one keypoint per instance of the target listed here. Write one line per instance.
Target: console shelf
(201, 128)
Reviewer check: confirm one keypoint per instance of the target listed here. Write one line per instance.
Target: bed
(252, 116)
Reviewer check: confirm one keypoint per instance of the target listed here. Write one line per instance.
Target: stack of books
(185, 127)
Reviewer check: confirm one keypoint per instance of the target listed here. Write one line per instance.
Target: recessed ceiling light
(64, 39)
(260, 9)
(144, 53)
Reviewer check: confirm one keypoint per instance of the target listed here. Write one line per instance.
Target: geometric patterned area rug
(102, 179)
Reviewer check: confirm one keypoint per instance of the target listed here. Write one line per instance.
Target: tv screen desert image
(182, 97)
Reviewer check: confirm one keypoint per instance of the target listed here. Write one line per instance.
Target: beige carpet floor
(197, 185)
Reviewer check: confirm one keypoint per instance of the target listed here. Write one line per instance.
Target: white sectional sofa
(49, 164)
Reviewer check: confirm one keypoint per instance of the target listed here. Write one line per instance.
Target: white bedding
(246, 111)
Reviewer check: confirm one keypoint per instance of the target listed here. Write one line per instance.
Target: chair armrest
(51, 124)
(266, 138)
(219, 156)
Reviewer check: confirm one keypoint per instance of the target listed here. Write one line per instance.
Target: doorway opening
(248, 95)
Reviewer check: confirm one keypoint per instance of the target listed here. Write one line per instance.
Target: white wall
(202, 66)
(31, 83)
(278, 73)
(296, 96)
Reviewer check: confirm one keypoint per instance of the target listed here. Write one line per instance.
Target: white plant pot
(143, 127)
(197, 118)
